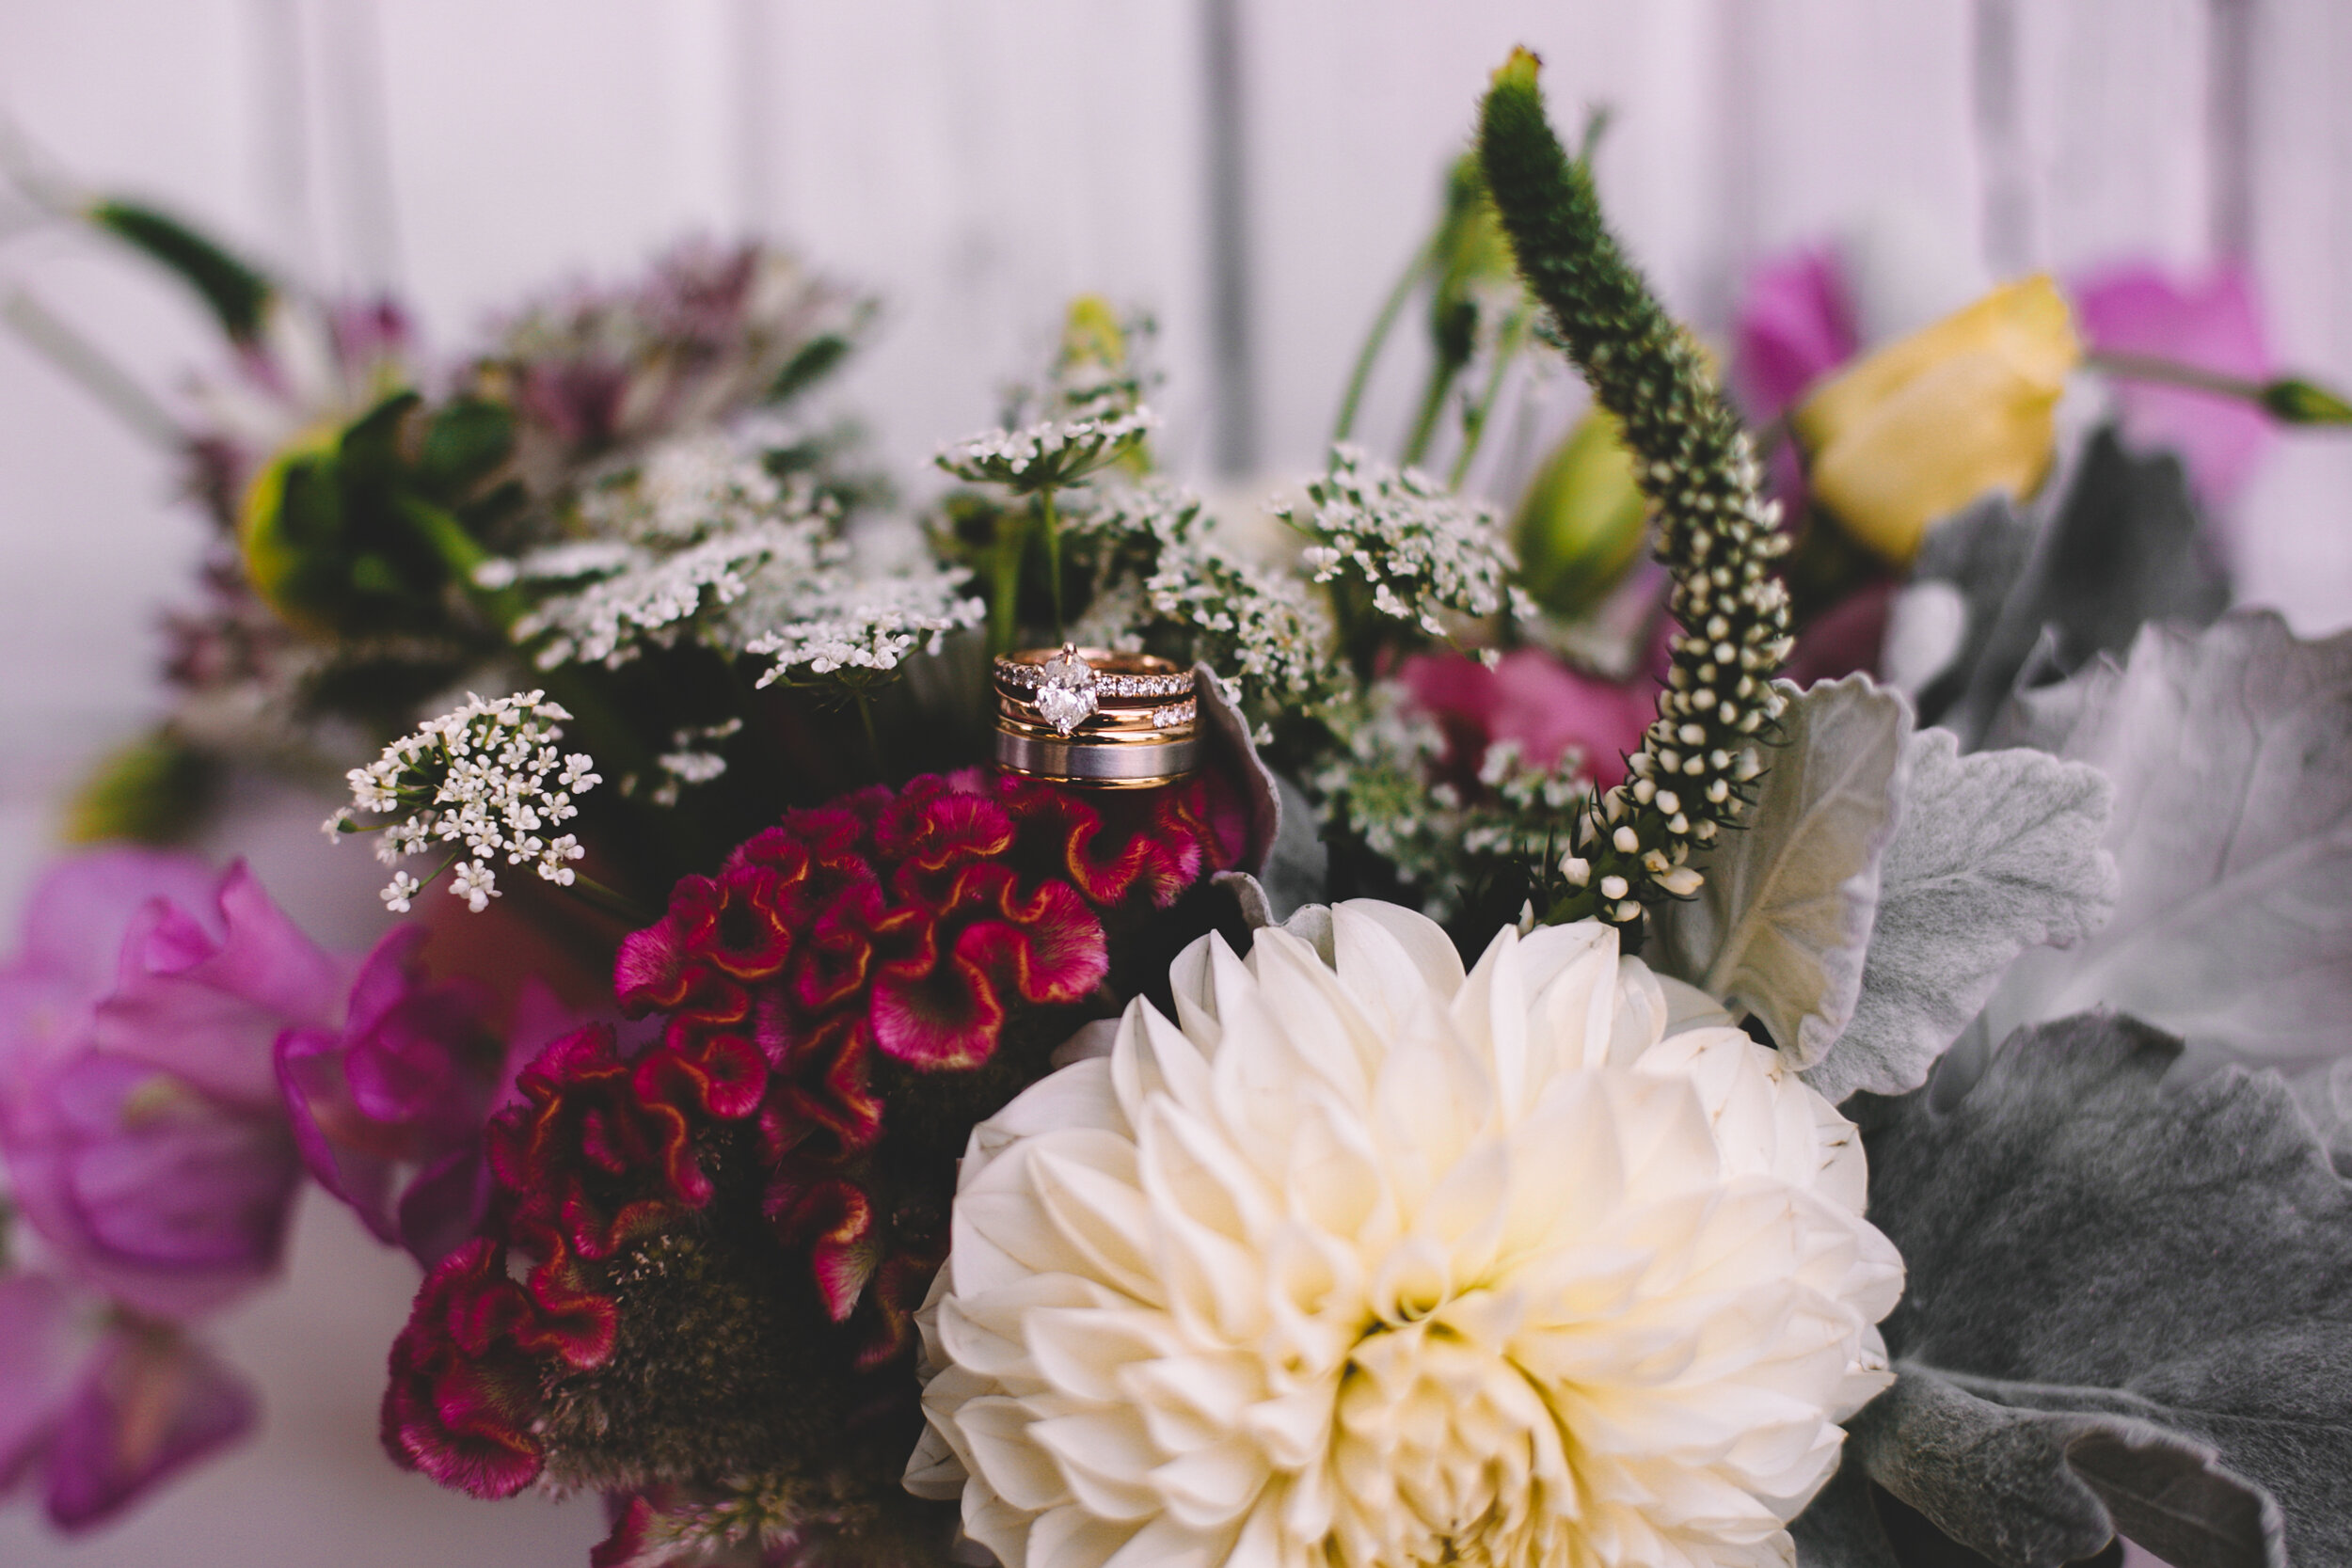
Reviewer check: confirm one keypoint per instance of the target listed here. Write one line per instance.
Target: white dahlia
(1363, 1263)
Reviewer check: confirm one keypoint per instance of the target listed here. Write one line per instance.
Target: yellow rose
(1929, 424)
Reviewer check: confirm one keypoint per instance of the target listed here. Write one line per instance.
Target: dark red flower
(463, 1392)
(951, 968)
(586, 1157)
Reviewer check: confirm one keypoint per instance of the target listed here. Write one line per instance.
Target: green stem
(611, 900)
(1441, 378)
(1382, 325)
(873, 736)
(1507, 344)
(1052, 521)
(2148, 367)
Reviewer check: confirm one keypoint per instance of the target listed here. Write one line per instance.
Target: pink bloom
(97, 1421)
(139, 1110)
(2213, 322)
(1534, 699)
(394, 1101)
(1795, 324)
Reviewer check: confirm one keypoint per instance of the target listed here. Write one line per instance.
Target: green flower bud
(1580, 528)
(1474, 263)
(2295, 401)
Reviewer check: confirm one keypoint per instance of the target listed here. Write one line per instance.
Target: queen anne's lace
(1049, 453)
(483, 781)
(1419, 546)
(1365, 1263)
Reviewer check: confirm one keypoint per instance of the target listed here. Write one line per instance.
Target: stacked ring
(1090, 716)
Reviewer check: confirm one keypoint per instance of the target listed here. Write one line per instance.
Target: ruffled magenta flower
(2213, 322)
(95, 1412)
(1533, 699)
(763, 1191)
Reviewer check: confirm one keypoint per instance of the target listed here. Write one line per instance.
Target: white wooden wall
(979, 161)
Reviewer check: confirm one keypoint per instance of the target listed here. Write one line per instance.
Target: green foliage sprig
(1692, 776)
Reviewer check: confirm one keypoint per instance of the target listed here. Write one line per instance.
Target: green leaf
(466, 439)
(1780, 926)
(2167, 1265)
(236, 292)
(2231, 753)
(1997, 852)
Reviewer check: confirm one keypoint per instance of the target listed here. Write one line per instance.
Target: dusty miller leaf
(2173, 1260)
(2231, 750)
(1781, 922)
(1997, 852)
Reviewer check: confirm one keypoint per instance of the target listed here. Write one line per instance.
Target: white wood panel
(2294, 534)
(981, 162)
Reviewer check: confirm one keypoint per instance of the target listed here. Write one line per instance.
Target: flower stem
(1382, 325)
(873, 736)
(1052, 521)
(1508, 344)
(2148, 367)
(611, 900)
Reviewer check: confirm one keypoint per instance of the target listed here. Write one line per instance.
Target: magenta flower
(1795, 324)
(1531, 697)
(387, 1109)
(138, 1111)
(2213, 322)
(95, 1408)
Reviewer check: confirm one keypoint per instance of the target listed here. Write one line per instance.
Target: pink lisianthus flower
(1531, 697)
(96, 1407)
(2212, 323)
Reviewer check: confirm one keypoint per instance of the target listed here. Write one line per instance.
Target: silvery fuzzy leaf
(2084, 1238)
(2125, 548)
(1299, 865)
(2326, 1095)
(1780, 923)
(2028, 1474)
(1840, 1526)
(2231, 750)
(1997, 852)
(1977, 553)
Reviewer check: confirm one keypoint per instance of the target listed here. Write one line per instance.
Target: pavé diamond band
(1093, 716)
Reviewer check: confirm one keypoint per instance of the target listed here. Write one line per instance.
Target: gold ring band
(1095, 717)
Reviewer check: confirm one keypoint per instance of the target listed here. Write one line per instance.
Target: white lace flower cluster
(1049, 453)
(699, 538)
(483, 781)
(855, 629)
(1363, 1262)
(1379, 789)
(1420, 547)
(1259, 628)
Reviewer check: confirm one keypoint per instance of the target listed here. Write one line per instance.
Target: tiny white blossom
(1420, 547)
(476, 884)
(482, 776)
(867, 627)
(1049, 453)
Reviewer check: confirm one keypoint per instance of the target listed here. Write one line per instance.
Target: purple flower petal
(1795, 324)
(37, 1335)
(150, 1405)
(2213, 322)
(207, 1002)
(148, 1187)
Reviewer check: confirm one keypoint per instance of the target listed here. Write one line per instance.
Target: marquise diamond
(1066, 694)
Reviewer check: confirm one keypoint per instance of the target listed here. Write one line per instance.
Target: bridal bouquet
(1089, 1034)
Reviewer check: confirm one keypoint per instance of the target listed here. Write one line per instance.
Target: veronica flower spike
(1691, 778)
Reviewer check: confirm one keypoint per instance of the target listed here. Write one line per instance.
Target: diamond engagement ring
(1094, 717)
